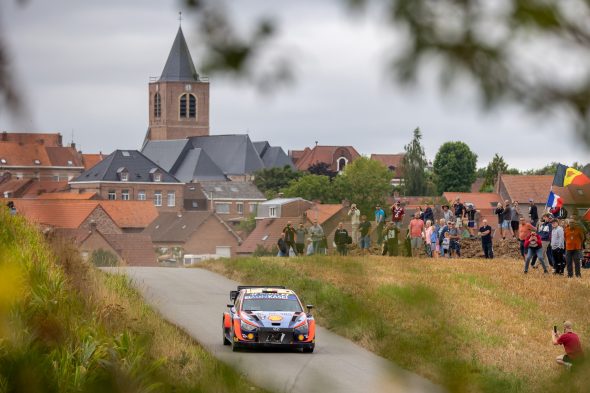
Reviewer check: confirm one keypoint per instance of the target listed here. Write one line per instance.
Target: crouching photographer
(571, 343)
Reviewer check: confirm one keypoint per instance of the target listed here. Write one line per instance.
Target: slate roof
(166, 153)
(176, 227)
(275, 156)
(179, 66)
(231, 190)
(138, 166)
(198, 166)
(233, 154)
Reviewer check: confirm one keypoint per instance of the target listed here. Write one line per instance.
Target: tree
(270, 181)
(312, 187)
(323, 169)
(494, 168)
(454, 167)
(364, 182)
(414, 164)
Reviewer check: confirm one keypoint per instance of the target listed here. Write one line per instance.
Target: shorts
(398, 224)
(471, 224)
(459, 223)
(416, 242)
(506, 224)
(514, 225)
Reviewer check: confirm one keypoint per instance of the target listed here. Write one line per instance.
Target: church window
(157, 105)
(188, 106)
(341, 163)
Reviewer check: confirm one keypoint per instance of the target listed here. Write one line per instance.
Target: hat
(531, 200)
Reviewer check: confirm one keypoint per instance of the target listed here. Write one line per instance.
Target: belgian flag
(568, 176)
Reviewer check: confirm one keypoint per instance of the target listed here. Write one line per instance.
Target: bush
(103, 258)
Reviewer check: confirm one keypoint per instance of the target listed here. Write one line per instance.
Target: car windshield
(288, 303)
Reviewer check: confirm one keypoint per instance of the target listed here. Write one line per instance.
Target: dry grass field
(470, 325)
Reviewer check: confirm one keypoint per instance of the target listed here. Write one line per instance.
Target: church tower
(179, 99)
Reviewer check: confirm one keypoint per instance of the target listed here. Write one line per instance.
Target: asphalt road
(194, 299)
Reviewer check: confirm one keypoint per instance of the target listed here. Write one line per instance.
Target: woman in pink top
(432, 245)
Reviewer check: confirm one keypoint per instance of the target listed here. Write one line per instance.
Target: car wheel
(308, 349)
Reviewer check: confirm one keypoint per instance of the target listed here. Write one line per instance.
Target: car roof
(268, 290)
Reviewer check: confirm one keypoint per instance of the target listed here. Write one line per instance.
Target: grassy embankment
(469, 325)
(66, 327)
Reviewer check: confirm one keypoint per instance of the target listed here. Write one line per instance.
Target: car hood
(281, 319)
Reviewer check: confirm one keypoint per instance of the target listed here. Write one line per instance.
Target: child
(446, 243)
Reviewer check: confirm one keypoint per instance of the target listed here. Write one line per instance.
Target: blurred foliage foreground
(468, 325)
(66, 327)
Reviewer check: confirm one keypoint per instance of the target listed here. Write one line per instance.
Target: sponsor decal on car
(280, 296)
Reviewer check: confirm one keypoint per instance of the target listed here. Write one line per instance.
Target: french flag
(554, 201)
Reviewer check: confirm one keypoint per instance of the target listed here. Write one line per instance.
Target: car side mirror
(309, 307)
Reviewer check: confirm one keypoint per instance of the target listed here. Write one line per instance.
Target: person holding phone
(571, 344)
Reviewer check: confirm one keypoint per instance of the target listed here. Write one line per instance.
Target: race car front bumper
(275, 337)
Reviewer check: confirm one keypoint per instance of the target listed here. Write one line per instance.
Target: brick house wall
(42, 173)
(96, 242)
(103, 190)
(295, 209)
(170, 125)
(234, 212)
(102, 221)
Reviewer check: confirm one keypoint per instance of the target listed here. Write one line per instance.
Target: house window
(272, 211)
(253, 207)
(157, 105)
(125, 195)
(157, 177)
(171, 199)
(158, 198)
(70, 162)
(124, 176)
(341, 163)
(141, 195)
(240, 207)
(222, 208)
(112, 195)
(187, 106)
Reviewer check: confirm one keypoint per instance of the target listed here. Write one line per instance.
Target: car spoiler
(234, 294)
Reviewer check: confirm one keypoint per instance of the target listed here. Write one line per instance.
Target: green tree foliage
(272, 180)
(102, 257)
(414, 164)
(312, 187)
(364, 182)
(494, 168)
(454, 167)
(550, 169)
(248, 224)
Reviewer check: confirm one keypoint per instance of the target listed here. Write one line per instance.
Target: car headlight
(246, 327)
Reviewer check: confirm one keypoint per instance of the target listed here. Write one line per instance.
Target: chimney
(73, 145)
(59, 140)
(4, 136)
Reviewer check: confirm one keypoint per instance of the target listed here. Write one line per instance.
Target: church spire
(179, 66)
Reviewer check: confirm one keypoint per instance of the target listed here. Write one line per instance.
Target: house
(11, 187)
(109, 217)
(393, 162)
(214, 157)
(271, 218)
(521, 188)
(130, 249)
(195, 233)
(336, 157)
(38, 156)
(233, 201)
(128, 175)
(90, 160)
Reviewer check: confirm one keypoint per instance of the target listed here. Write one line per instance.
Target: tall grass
(471, 326)
(66, 327)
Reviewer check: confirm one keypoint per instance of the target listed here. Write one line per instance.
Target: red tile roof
(136, 249)
(481, 200)
(67, 195)
(477, 184)
(64, 156)
(91, 160)
(72, 213)
(537, 187)
(327, 154)
(389, 160)
(33, 154)
(39, 187)
(323, 212)
(266, 234)
(14, 187)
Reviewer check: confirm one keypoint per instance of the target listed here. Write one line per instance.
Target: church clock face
(188, 87)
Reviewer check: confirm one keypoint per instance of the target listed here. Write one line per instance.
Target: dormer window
(156, 174)
(70, 163)
(3, 161)
(37, 162)
(157, 177)
(123, 174)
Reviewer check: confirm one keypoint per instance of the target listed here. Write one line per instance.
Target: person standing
(300, 234)
(443, 228)
(341, 239)
(571, 344)
(471, 222)
(282, 245)
(428, 213)
(524, 231)
(390, 237)
(533, 213)
(365, 229)
(454, 236)
(431, 239)
(485, 232)
(557, 247)
(317, 235)
(460, 212)
(447, 213)
(500, 213)
(380, 221)
(507, 217)
(397, 214)
(416, 234)
(534, 246)
(574, 238)
(355, 220)
(545, 230)
(290, 234)
(515, 218)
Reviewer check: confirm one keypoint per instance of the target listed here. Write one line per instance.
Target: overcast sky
(85, 67)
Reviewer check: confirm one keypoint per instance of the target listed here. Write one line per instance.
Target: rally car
(268, 316)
